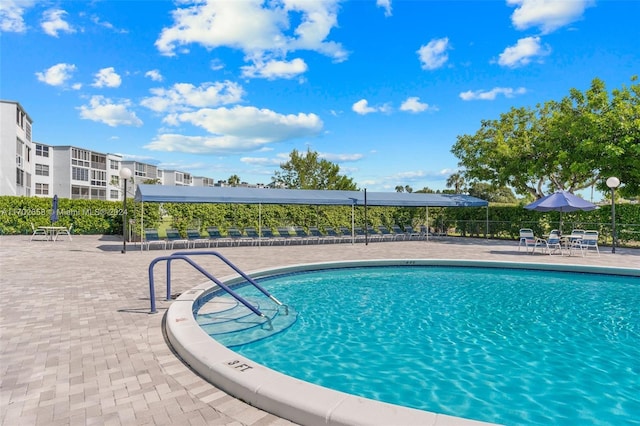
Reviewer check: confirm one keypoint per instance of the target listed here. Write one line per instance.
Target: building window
(114, 194)
(42, 151)
(20, 177)
(80, 157)
(79, 192)
(141, 170)
(42, 170)
(28, 132)
(98, 161)
(42, 189)
(79, 174)
(98, 178)
(114, 165)
(98, 194)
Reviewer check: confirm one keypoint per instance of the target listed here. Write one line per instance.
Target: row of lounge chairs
(285, 235)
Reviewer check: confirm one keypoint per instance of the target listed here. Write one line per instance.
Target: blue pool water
(504, 346)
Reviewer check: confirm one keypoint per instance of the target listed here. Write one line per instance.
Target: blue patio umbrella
(54, 209)
(561, 201)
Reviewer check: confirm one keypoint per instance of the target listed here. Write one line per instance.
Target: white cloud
(490, 95)
(56, 75)
(154, 75)
(548, 15)
(185, 96)
(340, 158)
(104, 110)
(386, 5)
(236, 130)
(275, 69)
(264, 161)
(434, 54)
(523, 52)
(96, 20)
(107, 77)
(262, 30)
(362, 107)
(12, 15)
(53, 22)
(413, 104)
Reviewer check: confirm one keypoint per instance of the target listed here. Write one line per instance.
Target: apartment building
(45, 170)
(16, 150)
(176, 178)
(83, 173)
(203, 181)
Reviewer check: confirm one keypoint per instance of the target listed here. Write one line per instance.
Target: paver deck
(79, 347)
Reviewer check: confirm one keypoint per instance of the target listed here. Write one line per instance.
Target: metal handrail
(185, 256)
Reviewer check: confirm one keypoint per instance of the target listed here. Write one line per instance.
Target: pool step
(233, 324)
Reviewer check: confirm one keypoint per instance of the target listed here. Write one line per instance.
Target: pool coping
(296, 400)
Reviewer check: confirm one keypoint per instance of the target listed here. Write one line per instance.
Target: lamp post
(613, 182)
(125, 174)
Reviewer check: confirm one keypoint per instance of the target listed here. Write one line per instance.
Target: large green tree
(309, 171)
(569, 144)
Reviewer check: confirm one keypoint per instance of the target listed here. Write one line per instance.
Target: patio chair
(304, 236)
(194, 238)
(410, 233)
(215, 236)
(235, 235)
(335, 236)
(527, 238)
(359, 234)
(588, 241)
(251, 235)
(315, 232)
(38, 231)
(549, 245)
(269, 237)
(152, 238)
(374, 235)
(346, 234)
(174, 237)
(285, 235)
(399, 233)
(385, 234)
(66, 231)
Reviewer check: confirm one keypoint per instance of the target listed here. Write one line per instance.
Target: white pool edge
(293, 399)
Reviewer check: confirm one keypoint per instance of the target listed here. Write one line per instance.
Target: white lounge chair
(589, 241)
(528, 239)
(38, 231)
(550, 245)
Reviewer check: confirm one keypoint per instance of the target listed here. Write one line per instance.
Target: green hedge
(105, 217)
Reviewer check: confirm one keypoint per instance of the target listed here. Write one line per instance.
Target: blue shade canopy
(199, 194)
(561, 201)
(54, 209)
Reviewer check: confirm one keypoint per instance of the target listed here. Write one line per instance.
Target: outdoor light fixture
(613, 182)
(125, 174)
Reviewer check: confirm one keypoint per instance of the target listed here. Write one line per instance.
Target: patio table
(52, 232)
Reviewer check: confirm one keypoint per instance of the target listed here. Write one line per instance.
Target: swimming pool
(450, 348)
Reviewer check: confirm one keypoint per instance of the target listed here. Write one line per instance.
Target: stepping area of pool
(79, 346)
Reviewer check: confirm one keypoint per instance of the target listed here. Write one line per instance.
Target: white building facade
(16, 150)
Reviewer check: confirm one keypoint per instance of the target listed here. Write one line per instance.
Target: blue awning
(242, 195)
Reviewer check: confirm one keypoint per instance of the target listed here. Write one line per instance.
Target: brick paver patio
(79, 347)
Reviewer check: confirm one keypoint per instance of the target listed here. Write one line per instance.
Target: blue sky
(381, 88)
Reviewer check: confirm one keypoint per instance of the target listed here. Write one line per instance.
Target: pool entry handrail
(185, 256)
